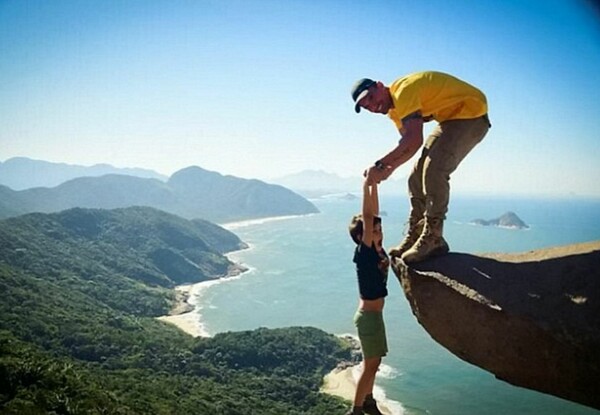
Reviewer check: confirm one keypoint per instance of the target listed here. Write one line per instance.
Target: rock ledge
(531, 319)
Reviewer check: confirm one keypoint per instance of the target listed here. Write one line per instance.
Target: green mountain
(190, 193)
(80, 290)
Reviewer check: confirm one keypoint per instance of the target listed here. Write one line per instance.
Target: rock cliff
(532, 319)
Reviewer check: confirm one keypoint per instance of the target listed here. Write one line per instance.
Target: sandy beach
(342, 383)
(185, 316)
(183, 313)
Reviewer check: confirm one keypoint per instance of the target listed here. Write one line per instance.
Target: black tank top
(372, 271)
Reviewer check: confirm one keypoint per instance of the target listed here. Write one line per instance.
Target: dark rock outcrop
(531, 319)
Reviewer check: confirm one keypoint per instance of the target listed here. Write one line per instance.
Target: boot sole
(396, 252)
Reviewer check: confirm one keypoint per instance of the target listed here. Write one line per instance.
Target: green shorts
(371, 333)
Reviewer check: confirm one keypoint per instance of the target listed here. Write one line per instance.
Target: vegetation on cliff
(80, 290)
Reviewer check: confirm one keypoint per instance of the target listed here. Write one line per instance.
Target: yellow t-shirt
(437, 95)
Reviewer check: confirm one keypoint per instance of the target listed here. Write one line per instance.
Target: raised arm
(375, 199)
(370, 209)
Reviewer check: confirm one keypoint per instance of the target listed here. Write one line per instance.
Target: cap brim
(359, 98)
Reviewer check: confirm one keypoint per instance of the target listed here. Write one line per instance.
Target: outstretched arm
(409, 144)
(370, 209)
(375, 199)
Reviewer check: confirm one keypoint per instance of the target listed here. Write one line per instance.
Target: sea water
(301, 274)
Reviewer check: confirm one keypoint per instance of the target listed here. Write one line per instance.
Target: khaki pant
(445, 148)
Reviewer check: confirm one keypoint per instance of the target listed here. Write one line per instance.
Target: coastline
(230, 226)
(184, 313)
(342, 380)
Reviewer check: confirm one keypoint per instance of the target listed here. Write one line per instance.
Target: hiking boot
(370, 407)
(430, 243)
(415, 228)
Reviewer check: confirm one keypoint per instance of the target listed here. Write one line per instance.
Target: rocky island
(507, 220)
(349, 196)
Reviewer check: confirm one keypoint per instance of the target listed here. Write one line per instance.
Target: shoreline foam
(185, 314)
(189, 321)
(342, 380)
(249, 222)
(342, 383)
(338, 382)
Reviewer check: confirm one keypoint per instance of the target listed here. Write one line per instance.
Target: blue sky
(260, 89)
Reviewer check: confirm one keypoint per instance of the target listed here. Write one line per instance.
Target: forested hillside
(80, 290)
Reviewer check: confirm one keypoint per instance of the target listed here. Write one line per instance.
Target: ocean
(301, 274)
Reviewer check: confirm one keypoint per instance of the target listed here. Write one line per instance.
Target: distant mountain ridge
(191, 193)
(315, 183)
(21, 173)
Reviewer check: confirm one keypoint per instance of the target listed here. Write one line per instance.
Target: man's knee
(415, 180)
(439, 165)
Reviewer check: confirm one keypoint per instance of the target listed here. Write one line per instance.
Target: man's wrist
(380, 165)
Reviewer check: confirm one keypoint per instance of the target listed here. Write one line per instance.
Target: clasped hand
(375, 175)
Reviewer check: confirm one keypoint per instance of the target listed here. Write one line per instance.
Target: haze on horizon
(260, 89)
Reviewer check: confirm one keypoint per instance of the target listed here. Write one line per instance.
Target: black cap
(360, 90)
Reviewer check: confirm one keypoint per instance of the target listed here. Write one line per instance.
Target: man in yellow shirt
(461, 111)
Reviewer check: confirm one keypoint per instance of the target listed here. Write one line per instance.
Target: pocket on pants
(440, 160)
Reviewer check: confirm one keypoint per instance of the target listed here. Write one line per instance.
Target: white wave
(352, 335)
(394, 407)
(387, 372)
(249, 247)
(193, 319)
(512, 228)
(250, 222)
